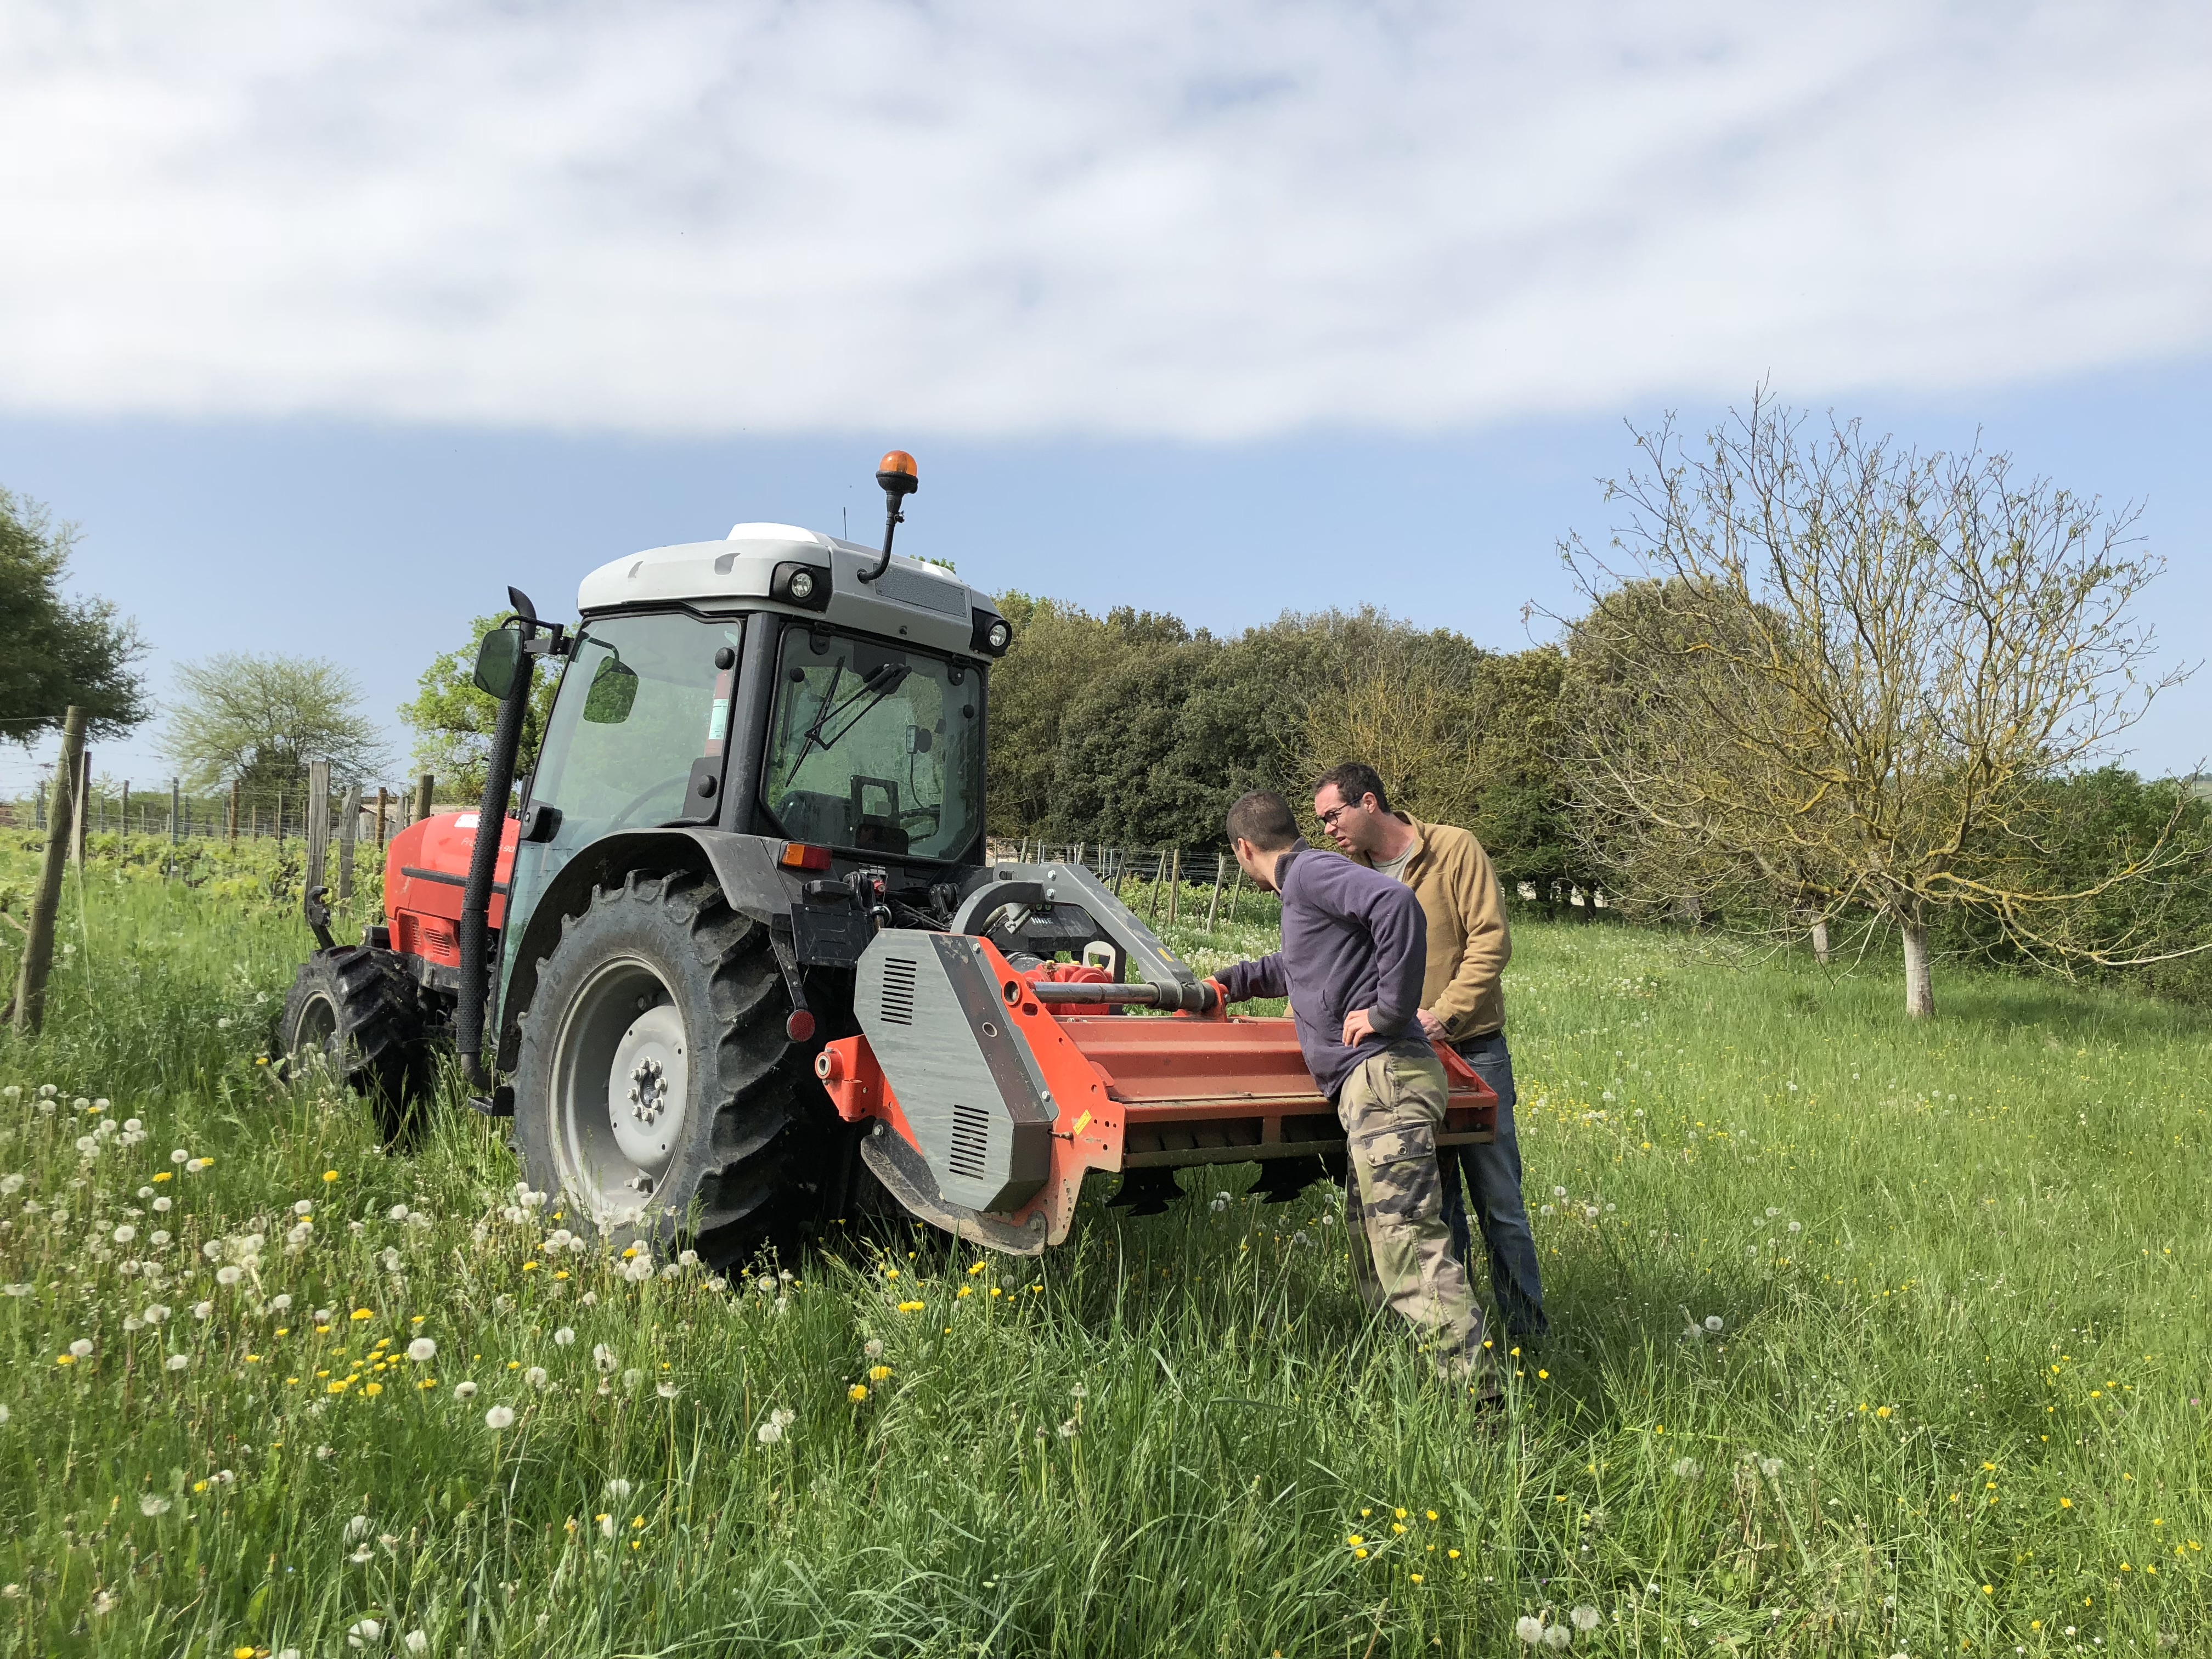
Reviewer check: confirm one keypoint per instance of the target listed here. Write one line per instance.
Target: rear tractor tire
(355, 1011)
(657, 1091)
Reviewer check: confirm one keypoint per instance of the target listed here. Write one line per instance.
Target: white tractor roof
(912, 600)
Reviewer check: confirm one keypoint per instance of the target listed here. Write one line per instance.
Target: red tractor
(741, 959)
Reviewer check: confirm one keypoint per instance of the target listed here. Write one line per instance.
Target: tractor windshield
(875, 747)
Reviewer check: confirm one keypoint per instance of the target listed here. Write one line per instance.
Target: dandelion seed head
(465, 1390)
(151, 1504)
(500, 1416)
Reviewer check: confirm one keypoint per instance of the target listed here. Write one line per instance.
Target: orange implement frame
(1136, 1092)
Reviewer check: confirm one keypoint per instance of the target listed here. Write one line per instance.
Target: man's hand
(1432, 1027)
(1358, 1027)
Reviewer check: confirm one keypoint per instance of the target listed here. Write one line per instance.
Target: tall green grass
(1952, 1405)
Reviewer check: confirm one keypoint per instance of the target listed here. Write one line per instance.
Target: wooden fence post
(383, 800)
(317, 825)
(280, 820)
(425, 787)
(233, 811)
(349, 828)
(38, 939)
(1214, 907)
(122, 818)
(80, 807)
(1175, 892)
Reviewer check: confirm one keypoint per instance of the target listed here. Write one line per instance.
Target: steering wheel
(681, 781)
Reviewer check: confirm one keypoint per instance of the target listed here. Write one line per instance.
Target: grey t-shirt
(1395, 869)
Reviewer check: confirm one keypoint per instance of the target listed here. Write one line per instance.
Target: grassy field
(1952, 1404)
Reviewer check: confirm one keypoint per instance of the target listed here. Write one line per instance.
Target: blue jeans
(1494, 1176)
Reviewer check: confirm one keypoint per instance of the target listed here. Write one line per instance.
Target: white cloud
(1137, 219)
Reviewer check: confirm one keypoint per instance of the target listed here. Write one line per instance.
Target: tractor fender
(743, 867)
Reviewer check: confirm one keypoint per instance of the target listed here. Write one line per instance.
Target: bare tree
(1842, 669)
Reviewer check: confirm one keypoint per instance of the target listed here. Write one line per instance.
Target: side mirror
(613, 691)
(920, 740)
(497, 659)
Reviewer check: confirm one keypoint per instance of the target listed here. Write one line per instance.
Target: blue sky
(325, 327)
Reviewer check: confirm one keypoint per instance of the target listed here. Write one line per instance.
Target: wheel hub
(648, 1085)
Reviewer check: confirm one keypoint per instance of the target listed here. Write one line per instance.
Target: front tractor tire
(656, 1090)
(354, 1010)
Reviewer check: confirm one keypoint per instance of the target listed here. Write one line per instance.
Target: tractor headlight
(991, 634)
(804, 585)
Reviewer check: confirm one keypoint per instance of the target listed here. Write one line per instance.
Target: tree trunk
(1821, 941)
(1919, 989)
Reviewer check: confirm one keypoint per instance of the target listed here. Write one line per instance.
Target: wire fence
(1176, 873)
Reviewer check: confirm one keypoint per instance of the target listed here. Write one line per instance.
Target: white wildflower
(631, 1378)
(421, 1349)
(1770, 1468)
(764, 1284)
(1557, 1636)
(178, 1156)
(162, 1207)
(82, 1348)
(10, 1185)
(357, 1529)
(536, 1376)
(177, 1362)
(666, 1390)
(465, 1390)
(500, 1416)
(304, 1206)
(362, 1553)
(1585, 1618)
(228, 1275)
(361, 1635)
(1686, 1468)
(873, 1348)
(150, 1505)
(563, 1337)
(605, 1357)
(619, 1490)
(1530, 1631)
(1713, 1323)
(396, 1213)
(416, 1642)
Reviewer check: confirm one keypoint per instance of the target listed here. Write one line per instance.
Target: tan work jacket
(1469, 944)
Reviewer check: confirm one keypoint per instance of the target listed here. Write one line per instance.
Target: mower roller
(738, 959)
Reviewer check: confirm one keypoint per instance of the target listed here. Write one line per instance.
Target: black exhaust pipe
(483, 857)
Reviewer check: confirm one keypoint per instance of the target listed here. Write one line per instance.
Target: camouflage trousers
(1402, 1250)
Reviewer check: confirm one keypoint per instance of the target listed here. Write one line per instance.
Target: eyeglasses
(1328, 819)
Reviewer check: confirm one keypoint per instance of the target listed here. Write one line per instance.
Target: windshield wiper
(878, 686)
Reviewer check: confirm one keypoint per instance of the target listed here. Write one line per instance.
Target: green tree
(452, 720)
(1061, 654)
(60, 651)
(256, 721)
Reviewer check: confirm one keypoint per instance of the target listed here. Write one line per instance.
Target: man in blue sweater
(1355, 946)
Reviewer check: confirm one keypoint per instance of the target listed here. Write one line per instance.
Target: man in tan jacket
(1463, 1003)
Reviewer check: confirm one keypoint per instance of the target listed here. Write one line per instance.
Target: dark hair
(1263, 817)
(1353, 780)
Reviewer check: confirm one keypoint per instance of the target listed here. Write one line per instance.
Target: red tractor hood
(426, 868)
